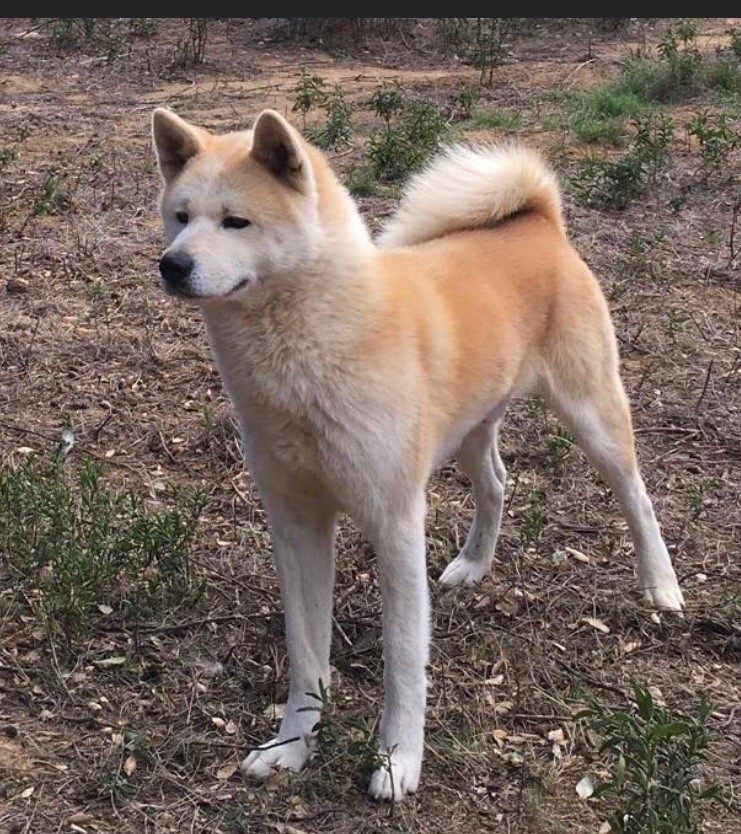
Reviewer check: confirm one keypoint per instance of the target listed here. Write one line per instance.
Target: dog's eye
(181, 217)
(235, 222)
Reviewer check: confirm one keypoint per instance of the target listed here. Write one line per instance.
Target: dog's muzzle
(175, 268)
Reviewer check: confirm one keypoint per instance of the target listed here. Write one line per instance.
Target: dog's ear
(175, 142)
(277, 146)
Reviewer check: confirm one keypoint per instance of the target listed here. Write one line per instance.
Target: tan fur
(356, 368)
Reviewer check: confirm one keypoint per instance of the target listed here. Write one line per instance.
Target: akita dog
(356, 367)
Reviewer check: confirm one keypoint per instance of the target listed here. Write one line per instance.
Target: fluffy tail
(467, 188)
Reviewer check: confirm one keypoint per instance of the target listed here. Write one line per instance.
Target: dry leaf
(557, 736)
(116, 660)
(585, 788)
(500, 736)
(219, 723)
(226, 771)
(105, 609)
(595, 623)
(605, 828)
(230, 728)
(129, 766)
(25, 794)
(578, 555)
(503, 708)
(80, 818)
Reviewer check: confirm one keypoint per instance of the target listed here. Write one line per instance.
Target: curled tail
(471, 187)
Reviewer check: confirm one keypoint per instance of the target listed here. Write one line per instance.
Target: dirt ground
(88, 340)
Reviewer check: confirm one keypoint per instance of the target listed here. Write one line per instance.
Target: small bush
(51, 199)
(191, 46)
(715, 137)
(79, 544)
(483, 42)
(309, 93)
(336, 131)
(655, 758)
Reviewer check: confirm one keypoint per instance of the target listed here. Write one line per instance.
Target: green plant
(462, 102)
(143, 27)
(360, 181)
(345, 739)
(601, 114)
(655, 759)
(80, 544)
(401, 147)
(336, 131)
(484, 42)
(507, 121)
(602, 183)
(652, 141)
(51, 199)
(7, 155)
(310, 92)
(715, 137)
(532, 520)
(191, 45)
(735, 44)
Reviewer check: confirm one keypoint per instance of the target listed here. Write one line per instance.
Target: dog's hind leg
(479, 458)
(586, 392)
(303, 538)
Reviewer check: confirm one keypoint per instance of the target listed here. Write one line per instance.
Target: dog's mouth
(238, 286)
(185, 292)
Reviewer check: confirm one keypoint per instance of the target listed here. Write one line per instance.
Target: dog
(356, 367)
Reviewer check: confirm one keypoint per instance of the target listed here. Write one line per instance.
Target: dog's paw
(265, 761)
(397, 777)
(666, 595)
(463, 571)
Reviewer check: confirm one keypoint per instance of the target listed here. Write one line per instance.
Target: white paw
(263, 763)
(665, 594)
(463, 571)
(398, 776)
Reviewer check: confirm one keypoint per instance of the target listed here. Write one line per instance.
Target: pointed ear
(277, 146)
(175, 142)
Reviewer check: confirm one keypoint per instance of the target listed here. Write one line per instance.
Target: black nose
(175, 267)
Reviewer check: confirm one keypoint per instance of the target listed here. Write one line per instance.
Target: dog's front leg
(303, 540)
(400, 543)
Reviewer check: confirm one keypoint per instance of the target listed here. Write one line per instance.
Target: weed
(191, 46)
(51, 199)
(343, 739)
(337, 130)
(601, 114)
(462, 102)
(715, 137)
(360, 181)
(655, 759)
(81, 545)
(484, 42)
(735, 44)
(602, 183)
(310, 93)
(7, 155)
(651, 143)
(533, 520)
(504, 120)
(143, 27)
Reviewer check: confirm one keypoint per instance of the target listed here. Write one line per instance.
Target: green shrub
(75, 544)
(655, 759)
(336, 131)
(310, 93)
(715, 137)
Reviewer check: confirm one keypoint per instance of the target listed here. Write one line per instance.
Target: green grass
(506, 120)
(71, 544)
(601, 114)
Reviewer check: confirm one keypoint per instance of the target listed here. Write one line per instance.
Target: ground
(150, 741)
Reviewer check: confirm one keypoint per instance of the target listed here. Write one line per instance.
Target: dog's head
(238, 209)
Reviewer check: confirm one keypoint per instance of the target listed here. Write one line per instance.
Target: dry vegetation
(127, 708)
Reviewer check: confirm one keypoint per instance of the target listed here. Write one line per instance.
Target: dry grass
(87, 339)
